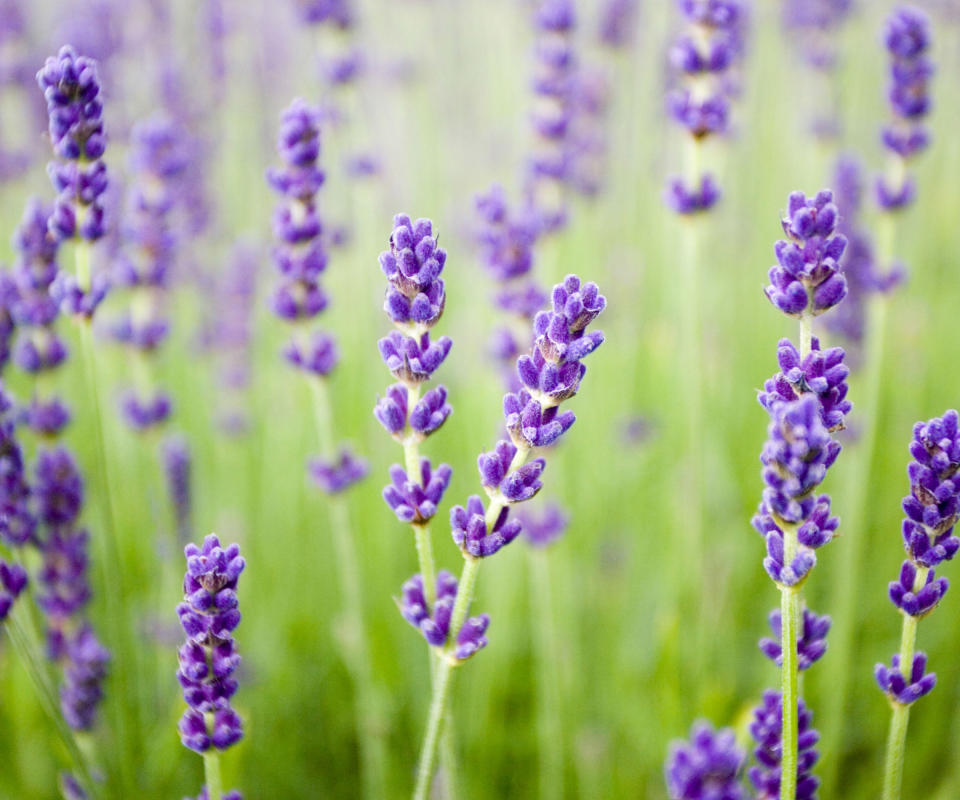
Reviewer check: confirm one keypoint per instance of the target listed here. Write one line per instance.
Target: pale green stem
(124, 674)
(549, 724)
(806, 335)
(438, 704)
(211, 771)
(373, 757)
(897, 739)
(862, 455)
(789, 626)
(461, 606)
(421, 533)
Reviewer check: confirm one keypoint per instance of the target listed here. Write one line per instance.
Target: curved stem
(211, 772)
(438, 704)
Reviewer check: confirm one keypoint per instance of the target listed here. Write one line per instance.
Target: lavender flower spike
(766, 729)
(707, 767)
(811, 643)
(434, 623)
(208, 659)
(807, 277)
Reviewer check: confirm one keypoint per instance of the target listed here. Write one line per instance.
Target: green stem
(549, 724)
(438, 704)
(806, 335)
(789, 619)
(111, 569)
(211, 771)
(357, 657)
(897, 739)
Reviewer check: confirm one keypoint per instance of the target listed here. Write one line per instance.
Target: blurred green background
(445, 108)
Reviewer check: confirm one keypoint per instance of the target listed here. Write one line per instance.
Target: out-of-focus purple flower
(618, 22)
(234, 795)
(898, 687)
(506, 238)
(208, 659)
(707, 767)
(58, 488)
(70, 787)
(13, 580)
(64, 584)
(685, 200)
(811, 641)
(767, 731)
(822, 373)
(434, 623)
(178, 467)
(812, 26)
(72, 90)
(337, 13)
(340, 473)
(415, 499)
(544, 528)
(142, 413)
(17, 521)
(85, 671)
(907, 39)
(807, 277)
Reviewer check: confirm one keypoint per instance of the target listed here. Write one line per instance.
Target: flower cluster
(932, 509)
(907, 39)
(71, 88)
(701, 60)
(550, 374)
(38, 348)
(414, 302)
(159, 157)
(821, 373)
(811, 641)
(434, 623)
(555, 67)
(812, 25)
(208, 658)
(807, 278)
(795, 458)
(766, 729)
(707, 767)
(65, 587)
(300, 256)
(17, 520)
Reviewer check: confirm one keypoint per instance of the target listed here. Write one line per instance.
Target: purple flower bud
(317, 356)
(822, 373)
(144, 413)
(895, 685)
(208, 659)
(339, 474)
(766, 729)
(470, 533)
(58, 488)
(545, 528)
(529, 425)
(917, 603)
(71, 88)
(808, 274)
(811, 640)
(430, 412)
(692, 200)
(415, 499)
(64, 586)
(413, 360)
(412, 265)
(74, 300)
(514, 486)
(706, 766)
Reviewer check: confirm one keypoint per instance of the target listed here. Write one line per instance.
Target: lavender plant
(932, 509)
(707, 767)
(300, 257)
(208, 659)
(551, 374)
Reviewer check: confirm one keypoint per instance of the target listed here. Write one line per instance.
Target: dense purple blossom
(208, 659)
(72, 90)
(471, 534)
(904, 689)
(821, 373)
(415, 294)
(707, 767)
(766, 728)
(913, 600)
(811, 640)
(807, 277)
(434, 623)
(415, 499)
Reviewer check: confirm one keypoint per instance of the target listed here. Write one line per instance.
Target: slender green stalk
(549, 724)
(438, 705)
(897, 739)
(211, 772)
(125, 675)
(367, 712)
(789, 615)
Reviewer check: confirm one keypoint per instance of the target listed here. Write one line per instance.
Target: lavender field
(517, 399)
